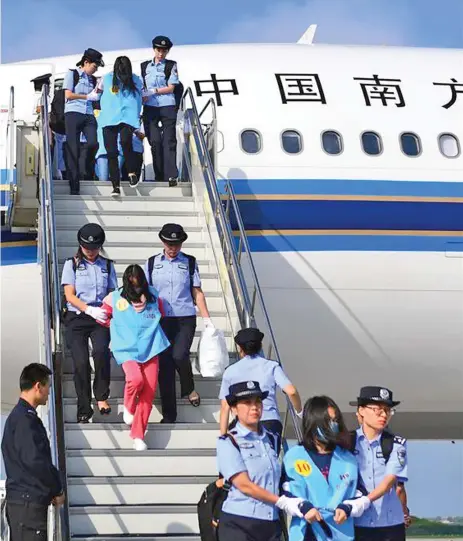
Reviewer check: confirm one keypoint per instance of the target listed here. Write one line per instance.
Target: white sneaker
(139, 445)
(128, 417)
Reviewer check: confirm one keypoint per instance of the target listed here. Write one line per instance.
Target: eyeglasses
(378, 410)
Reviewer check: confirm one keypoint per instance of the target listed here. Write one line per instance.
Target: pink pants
(140, 385)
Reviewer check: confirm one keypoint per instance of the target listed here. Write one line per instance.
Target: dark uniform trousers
(110, 135)
(79, 328)
(180, 332)
(75, 124)
(236, 528)
(27, 521)
(163, 141)
(386, 533)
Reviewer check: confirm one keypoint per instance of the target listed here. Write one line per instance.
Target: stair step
(123, 203)
(123, 462)
(102, 188)
(108, 218)
(136, 490)
(139, 251)
(207, 412)
(134, 520)
(123, 537)
(206, 387)
(116, 369)
(125, 234)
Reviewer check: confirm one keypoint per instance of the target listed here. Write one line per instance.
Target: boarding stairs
(114, 492)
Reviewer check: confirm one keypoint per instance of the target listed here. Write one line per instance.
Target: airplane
(347, 165)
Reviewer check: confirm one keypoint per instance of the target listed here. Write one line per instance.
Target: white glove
(290, 506)
(148, 92)
(93, 96)
(299, 413)
(359, 506)
(208, 323)
(97, 313)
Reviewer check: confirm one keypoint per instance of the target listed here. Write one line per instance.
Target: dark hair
(316, 416)
(133, 292)
(251, 348)
(32, 374)
(122, 75)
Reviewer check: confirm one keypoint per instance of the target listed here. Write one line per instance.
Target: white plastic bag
(212, 353)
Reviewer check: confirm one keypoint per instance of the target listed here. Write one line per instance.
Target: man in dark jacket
(32, 481)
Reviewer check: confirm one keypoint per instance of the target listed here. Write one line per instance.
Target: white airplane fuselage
(360, 257)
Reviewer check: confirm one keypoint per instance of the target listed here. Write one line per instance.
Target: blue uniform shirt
(387, 511)
(268, 373)
(84, 86)
(256, 456)
(91, 281)
(171, 278)
(155, 78)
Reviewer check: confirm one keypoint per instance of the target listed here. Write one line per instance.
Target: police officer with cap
(175, 276)
(87, 278)
(379, 474)
(247, 458)
(32, 481)
(268, 373)
(79, 86)
(160, 77)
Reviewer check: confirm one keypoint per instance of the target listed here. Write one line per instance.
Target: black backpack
(387, 443)
(191, 270)
(178, 89)
(64, 307)
(57, 106)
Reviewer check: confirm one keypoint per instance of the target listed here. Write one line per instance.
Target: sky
(40, 28)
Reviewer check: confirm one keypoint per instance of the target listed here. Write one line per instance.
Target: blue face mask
(334, 427)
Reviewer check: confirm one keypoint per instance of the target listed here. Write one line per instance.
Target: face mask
(334, 427)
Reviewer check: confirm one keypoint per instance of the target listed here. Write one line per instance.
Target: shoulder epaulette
(399, 440)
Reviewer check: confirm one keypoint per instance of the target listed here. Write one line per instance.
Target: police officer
(160, 107)
(384, 518)
(175, 276)
(247, 459)
(32, 481)
(79, 117)
(87, 279)
(269, 374)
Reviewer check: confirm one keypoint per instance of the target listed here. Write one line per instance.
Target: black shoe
(173, 182)
(84, 417)
(167, 421)
(133, 180)
(116, 192)
(75, 192)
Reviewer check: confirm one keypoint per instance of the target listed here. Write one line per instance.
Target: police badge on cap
(91, 236)
(243, 390)
(173, 233)
(371, 395)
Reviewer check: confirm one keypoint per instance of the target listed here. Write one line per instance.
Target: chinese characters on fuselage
(308, 87)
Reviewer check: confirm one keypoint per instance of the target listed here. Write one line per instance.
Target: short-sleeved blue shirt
(83, 86)
(156, 78)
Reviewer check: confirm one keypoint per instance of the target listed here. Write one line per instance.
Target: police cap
(92, 55)
(244, 390)
(162, 42)
(173, 233)
(250, 334)
(370, 394)
(40, 81)
(91, 236)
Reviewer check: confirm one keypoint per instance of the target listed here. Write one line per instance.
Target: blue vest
(136, 336)
(304, 479)
(122, 106)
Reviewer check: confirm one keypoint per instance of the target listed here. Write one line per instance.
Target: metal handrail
(10, 134)
(59, 523)
(223, 223)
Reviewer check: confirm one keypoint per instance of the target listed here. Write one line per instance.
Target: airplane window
(332, 142)
(251, 141)
(291, 141)
(371, 143)
(449, 145)
(410, 143)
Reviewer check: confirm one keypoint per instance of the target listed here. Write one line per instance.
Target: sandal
(195, 402)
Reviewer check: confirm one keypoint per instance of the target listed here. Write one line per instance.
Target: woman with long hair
(322, 472)
(136, 341)
(121, 102)
(87, 278)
